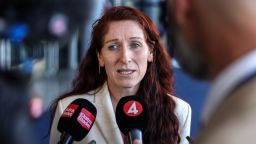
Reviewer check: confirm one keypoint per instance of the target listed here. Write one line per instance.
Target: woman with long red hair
(126, 57)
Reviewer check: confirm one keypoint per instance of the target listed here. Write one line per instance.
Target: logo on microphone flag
(69, 111)
(86, 119)
(132, 108)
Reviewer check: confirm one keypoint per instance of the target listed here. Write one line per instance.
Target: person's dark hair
(157, 83)
(16, 123)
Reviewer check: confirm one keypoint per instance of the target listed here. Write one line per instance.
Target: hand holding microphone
(76, 121)
(137, 142)
(132, 117)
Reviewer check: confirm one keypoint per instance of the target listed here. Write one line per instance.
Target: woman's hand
(136, 141)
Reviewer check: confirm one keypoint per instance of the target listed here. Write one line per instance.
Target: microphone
(132, 117)
(76, 121)
(189, 140)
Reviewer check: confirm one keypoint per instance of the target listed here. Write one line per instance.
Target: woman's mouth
(125, 71)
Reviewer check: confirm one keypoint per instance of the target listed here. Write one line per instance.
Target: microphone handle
(135, 134)
(65, 138)
(189, 140)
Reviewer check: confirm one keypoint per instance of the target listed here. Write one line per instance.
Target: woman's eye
(135, 45)
(112, 47)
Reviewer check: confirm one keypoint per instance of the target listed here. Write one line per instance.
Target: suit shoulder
(181, 104)
(65, 101)
(182, 110)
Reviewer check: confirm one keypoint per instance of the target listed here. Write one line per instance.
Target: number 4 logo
(132, 108)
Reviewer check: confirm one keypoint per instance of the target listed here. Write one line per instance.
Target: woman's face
(125, 54)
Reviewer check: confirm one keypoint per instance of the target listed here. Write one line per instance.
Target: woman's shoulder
(183, 113)
(67, 100)
(183, 109)
(179, 102)
(93, 96)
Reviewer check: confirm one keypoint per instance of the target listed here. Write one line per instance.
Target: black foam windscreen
(131, 113)
(77, 119)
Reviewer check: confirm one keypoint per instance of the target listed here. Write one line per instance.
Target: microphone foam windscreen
(77, 119)
(131, 113)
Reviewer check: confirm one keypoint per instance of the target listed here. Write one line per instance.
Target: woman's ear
(100, 59)
(150, 56)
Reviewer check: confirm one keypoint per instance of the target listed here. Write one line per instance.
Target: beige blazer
(105, 129)
(234, 121)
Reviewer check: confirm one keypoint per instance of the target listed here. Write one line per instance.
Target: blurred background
(51, 64)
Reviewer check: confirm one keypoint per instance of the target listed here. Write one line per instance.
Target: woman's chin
(127, 85)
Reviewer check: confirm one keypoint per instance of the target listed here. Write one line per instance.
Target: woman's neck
(116, 93)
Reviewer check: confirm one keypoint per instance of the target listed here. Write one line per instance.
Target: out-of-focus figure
(216, 40)
(16, 122)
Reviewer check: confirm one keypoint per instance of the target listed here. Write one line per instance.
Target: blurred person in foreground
(126, 57)
(216, 40)
(16, 121)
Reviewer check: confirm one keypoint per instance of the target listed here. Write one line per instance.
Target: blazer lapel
(105, 120)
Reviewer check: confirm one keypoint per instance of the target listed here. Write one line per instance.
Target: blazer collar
(106, 120)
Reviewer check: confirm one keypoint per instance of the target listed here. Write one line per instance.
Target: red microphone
(76, 121)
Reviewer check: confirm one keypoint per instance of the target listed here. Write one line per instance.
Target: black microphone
(189, 140)
(76, 121)
(132, 117)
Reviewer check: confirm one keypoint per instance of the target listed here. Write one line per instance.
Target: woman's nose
(125, 55)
